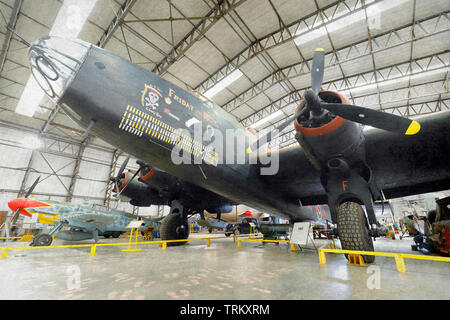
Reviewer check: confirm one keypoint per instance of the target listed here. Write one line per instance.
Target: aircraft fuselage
(140, 113)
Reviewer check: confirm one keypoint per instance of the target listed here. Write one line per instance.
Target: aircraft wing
(96, 219)
(402, 165)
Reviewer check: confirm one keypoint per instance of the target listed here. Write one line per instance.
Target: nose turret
(55, 61)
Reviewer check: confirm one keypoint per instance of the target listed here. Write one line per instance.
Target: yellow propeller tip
(249, 150)
(413, 128)
(319, 49)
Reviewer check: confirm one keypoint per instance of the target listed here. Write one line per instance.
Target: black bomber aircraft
(154, 120)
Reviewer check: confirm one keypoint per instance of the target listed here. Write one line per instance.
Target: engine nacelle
(222, 209)
(335, 138)
(159, 180)
(335, 147)
(139, 193)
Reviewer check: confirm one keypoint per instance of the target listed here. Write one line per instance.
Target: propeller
(116, 179)
(317, 68)
(32, 187)
(318, 110)
(13, 218)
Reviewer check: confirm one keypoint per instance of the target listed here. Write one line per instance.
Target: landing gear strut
(46, 239)
(175, 225)
(42, 240)
(347, 189)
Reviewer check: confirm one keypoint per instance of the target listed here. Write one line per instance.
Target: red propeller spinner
(24, 203)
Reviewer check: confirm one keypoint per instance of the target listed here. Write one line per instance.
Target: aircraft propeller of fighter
(85, 222)
(5, 227)
(158, 122)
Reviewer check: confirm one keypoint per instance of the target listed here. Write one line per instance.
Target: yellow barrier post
(239, 243)
(26, 238)
(322, 258)
(93, 248)
(355, 259)
(208, 242)
(292, 247)
(164, 245)
(400, 263)
(4, 253)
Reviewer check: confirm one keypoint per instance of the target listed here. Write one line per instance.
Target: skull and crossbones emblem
(150, 97)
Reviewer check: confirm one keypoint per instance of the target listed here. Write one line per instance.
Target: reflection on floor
(221, 271)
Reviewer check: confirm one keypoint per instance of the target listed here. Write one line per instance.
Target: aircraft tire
(173, 229)
(353, 230)
(115, 234)
(42, 240)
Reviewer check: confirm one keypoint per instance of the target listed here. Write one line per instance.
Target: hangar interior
(253, 59)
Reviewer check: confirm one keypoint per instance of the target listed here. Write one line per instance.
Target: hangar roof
(388, 55)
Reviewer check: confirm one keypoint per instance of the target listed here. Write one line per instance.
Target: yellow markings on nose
(413, 128)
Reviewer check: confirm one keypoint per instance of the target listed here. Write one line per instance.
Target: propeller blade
(272, 134)
(14, 216)
(128, 182)
(373, 118)
(124, 164)
(32, 187)
(317, 69)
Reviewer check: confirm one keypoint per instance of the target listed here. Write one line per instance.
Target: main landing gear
(175, 225)
(45, 239)
(346, 195)
(353, 229)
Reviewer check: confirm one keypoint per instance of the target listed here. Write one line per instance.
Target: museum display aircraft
(336, 162)
(83, 222)
(220, 220)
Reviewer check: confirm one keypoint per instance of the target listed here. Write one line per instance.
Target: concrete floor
(221, 271)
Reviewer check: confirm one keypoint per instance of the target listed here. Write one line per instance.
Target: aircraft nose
(25, 203)
(16, 203)
(55, 61)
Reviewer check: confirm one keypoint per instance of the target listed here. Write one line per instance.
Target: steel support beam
(76, 170)
(21, 192)
(388, 40)
(9, 34)
(115, 157)
(415, 67)
(340, 9)
(112, 27)
(220, 9)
